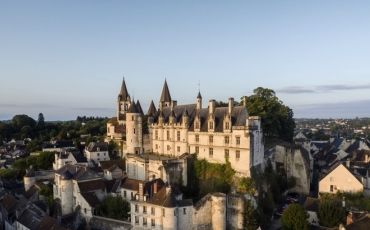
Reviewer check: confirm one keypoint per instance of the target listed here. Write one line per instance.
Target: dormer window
(197, 125)
(211, 125)
(227, 125)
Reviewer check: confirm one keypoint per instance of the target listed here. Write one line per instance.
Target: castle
(217, 134)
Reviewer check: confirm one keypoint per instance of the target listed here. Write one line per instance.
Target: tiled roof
(9, 203)
(48, 223)
(97, 146)
(131, 184)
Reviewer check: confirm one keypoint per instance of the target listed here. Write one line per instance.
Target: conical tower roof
(123, 94)
(138, 106)
(133, 108)
(152, 110)
(199, 95)
(165, 96)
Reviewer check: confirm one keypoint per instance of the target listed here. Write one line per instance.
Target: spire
(199, 95)
(138, 106)
(123, 94)
(133, 108)
(165, 96)
(152, 110)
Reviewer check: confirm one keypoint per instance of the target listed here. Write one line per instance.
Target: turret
(123, 101)
(199, 101)
(165, 100)
(66, 185)
(134, 130)
(172, 117)
(185, 118)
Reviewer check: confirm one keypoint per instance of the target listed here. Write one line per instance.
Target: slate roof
(123, 94)
(152, 110)
(49, 223)
(94, 146)
(238, 117)
(138, 106)
(9, 203)
(91, 199)
(91, 185)
(133, 108)
(111, 165)
(78, 172)
(165, 96)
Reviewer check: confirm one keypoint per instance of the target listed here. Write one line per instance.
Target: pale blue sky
(67, 58)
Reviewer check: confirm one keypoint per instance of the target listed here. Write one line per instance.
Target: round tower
(170, 220)
(134, 130)
(66, 185)
(218, 211)
(29, 179)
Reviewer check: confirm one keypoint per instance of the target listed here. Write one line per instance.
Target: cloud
(350, 109)
(322, 88)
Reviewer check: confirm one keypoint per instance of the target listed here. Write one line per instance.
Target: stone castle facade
(217, 134)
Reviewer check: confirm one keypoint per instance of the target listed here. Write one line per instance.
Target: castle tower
(29, 179)
(66, 185)
(165, 100)
(134, 130)
(123, 101)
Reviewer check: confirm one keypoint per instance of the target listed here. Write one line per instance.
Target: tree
(114, 207)
(20, 121)
(331, 213)
(277, 118)
(41, 121)
(294, 218)
(250, 220)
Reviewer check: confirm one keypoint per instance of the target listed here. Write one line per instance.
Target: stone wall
(101, 223)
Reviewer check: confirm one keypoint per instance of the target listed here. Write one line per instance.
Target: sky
(67, 58)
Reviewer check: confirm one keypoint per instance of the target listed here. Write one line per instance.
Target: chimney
(211, 106)
(141, 191)
(155, 187)
(350, 218)
(231, 105)
(244, 101)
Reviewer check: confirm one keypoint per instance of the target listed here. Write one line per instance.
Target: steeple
(199, 95)
(152, 110)
(138, 106)
(165, 96)
(123, 94)
(199, 101)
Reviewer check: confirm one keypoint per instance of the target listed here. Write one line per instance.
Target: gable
(340, 171)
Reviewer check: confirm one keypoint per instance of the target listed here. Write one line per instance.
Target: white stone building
(217, 134)
(96, 152)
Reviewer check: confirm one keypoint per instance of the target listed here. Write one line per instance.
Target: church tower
(134, 130)
(165, 100)
(123, 101)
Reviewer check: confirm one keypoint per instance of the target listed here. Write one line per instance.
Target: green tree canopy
(331, 213)
(20, 121)
(114, 207)
(277, 118)
(294, 218)
(41, 121)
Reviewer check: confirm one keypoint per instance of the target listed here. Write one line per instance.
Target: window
(178, 135)
(227, 140)
(197, 138)
(156, 134)
(237, 155)
(145, 223)
(210, 152)
(331, 188)
(178, 148)
(168, 148)
(184, 211)
(85, 210)
(226, 153)
(98, 154)
(134, 131)
(210, 139)
(227, 125)
(136, 208)
(153, 222)
(196, 125)
(132, 118)
(163, 212)
(132, 196)
(124, 194)
(211, 125)
(152, 211)
(237, 140)
(144, 209)
(168, 135)
(136, 220)
(196, 149)
(156, 146)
